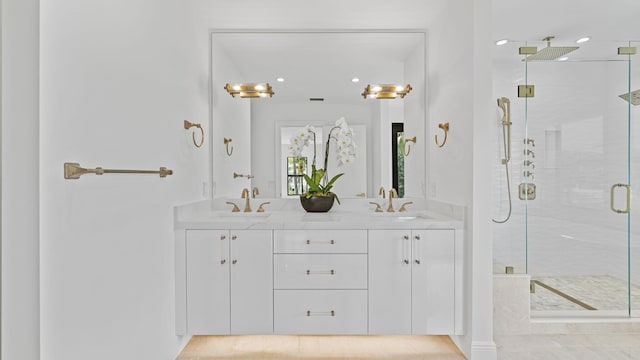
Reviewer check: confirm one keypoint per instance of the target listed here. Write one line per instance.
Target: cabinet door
(389, 282)
(207, 282)
(251, 282)
(433, 281)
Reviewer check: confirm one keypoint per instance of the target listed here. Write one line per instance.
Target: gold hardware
(405, 237)
(255, 191)
(328, 313)
(526, 91)
(245, 195)
(331, 242)
(527, 191)
(532, 289)
(74, 171)
(235, 207)
(386, 91)
(392, 194)
(378, 207)
(407, 147)
(188, 125)
(406, 261)
(527, 50)
(382, 192)
(628, 188)
(234, 237)
(223, 261)
(236, 175)
(629, 50)
(222, 237)
(235, 261)
(226, 143)
(362, 195)
(403, 208)
(417, 237)
(327, 272)
(509, 270)
(260, 208)
(444, 127)
(259, 90)
(417, 261)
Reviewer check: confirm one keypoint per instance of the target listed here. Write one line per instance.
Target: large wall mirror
(318, 72)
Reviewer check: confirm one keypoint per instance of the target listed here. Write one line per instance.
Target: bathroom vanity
(342, 272)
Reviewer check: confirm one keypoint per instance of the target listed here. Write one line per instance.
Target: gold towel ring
(407, 147)
(226, 142)
(188, 125)
(444, 127)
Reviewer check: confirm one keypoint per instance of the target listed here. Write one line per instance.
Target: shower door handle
(628, 188)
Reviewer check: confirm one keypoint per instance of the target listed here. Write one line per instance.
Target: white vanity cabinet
(320, 281)
(229, 286)
(412, 281)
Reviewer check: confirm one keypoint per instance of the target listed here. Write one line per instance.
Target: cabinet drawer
(320, 241)
(320, 311)
(320, 271)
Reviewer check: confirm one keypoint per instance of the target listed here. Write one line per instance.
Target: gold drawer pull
(320, 313)
(330, 242)
(328, 272)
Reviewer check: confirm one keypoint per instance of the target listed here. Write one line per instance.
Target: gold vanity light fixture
(257, 90)
(386, 91)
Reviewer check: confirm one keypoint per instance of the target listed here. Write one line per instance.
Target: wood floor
(320, 347)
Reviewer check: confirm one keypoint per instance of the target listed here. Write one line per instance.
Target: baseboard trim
(484, 350)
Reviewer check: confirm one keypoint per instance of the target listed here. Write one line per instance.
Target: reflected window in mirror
(296, 169)
(397, 156)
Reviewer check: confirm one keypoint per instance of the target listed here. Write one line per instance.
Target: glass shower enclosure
(575, 160)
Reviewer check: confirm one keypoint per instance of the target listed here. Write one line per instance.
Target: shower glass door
(634, 170)
(578, 144)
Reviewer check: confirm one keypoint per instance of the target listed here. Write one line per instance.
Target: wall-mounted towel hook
(226, 142)
(407, 147)
(188, 125)
(444, 127)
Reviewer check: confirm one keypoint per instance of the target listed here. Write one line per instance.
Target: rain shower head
(550, 53)
(634, 98)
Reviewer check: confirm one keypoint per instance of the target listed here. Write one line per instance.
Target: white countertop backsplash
(289, 214)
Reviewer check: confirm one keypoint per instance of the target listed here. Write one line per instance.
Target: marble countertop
(203, 216)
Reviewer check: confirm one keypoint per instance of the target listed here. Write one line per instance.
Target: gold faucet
(245, 195)
(392, 194)
(382, 192)
(403, 208)
(255, 192)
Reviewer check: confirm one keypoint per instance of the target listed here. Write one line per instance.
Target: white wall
(117, 80)
(19, 130)
(459, 83)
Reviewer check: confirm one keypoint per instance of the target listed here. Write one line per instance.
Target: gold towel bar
(74, 171)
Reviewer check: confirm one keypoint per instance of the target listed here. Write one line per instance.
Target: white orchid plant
(342, 134)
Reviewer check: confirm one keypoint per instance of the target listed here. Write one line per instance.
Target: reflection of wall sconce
(386, 91)
(444, 127)
(226, 143)
(407, 147)
(188, 125)
(261, 90)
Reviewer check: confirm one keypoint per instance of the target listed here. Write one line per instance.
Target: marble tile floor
(320, 347)
(613, 346)
(604, 292)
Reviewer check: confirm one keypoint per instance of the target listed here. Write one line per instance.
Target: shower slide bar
(74, 171)
(559, 293)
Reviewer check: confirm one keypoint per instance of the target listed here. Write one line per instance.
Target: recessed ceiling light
(280, 79)
(355, 80)
(502, 42)
(564, 58)
(583, 39)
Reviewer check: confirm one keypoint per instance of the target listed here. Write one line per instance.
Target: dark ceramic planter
(317, 203)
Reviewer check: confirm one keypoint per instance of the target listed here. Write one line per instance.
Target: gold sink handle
(260, 208)
(403, 208)
(378, 206)
(235, 207)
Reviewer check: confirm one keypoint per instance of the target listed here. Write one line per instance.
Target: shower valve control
(529, 163)
(527, 191)
(529, 153)
(528, 174)
(528, 141)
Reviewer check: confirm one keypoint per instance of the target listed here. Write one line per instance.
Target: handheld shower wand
(505, 105)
